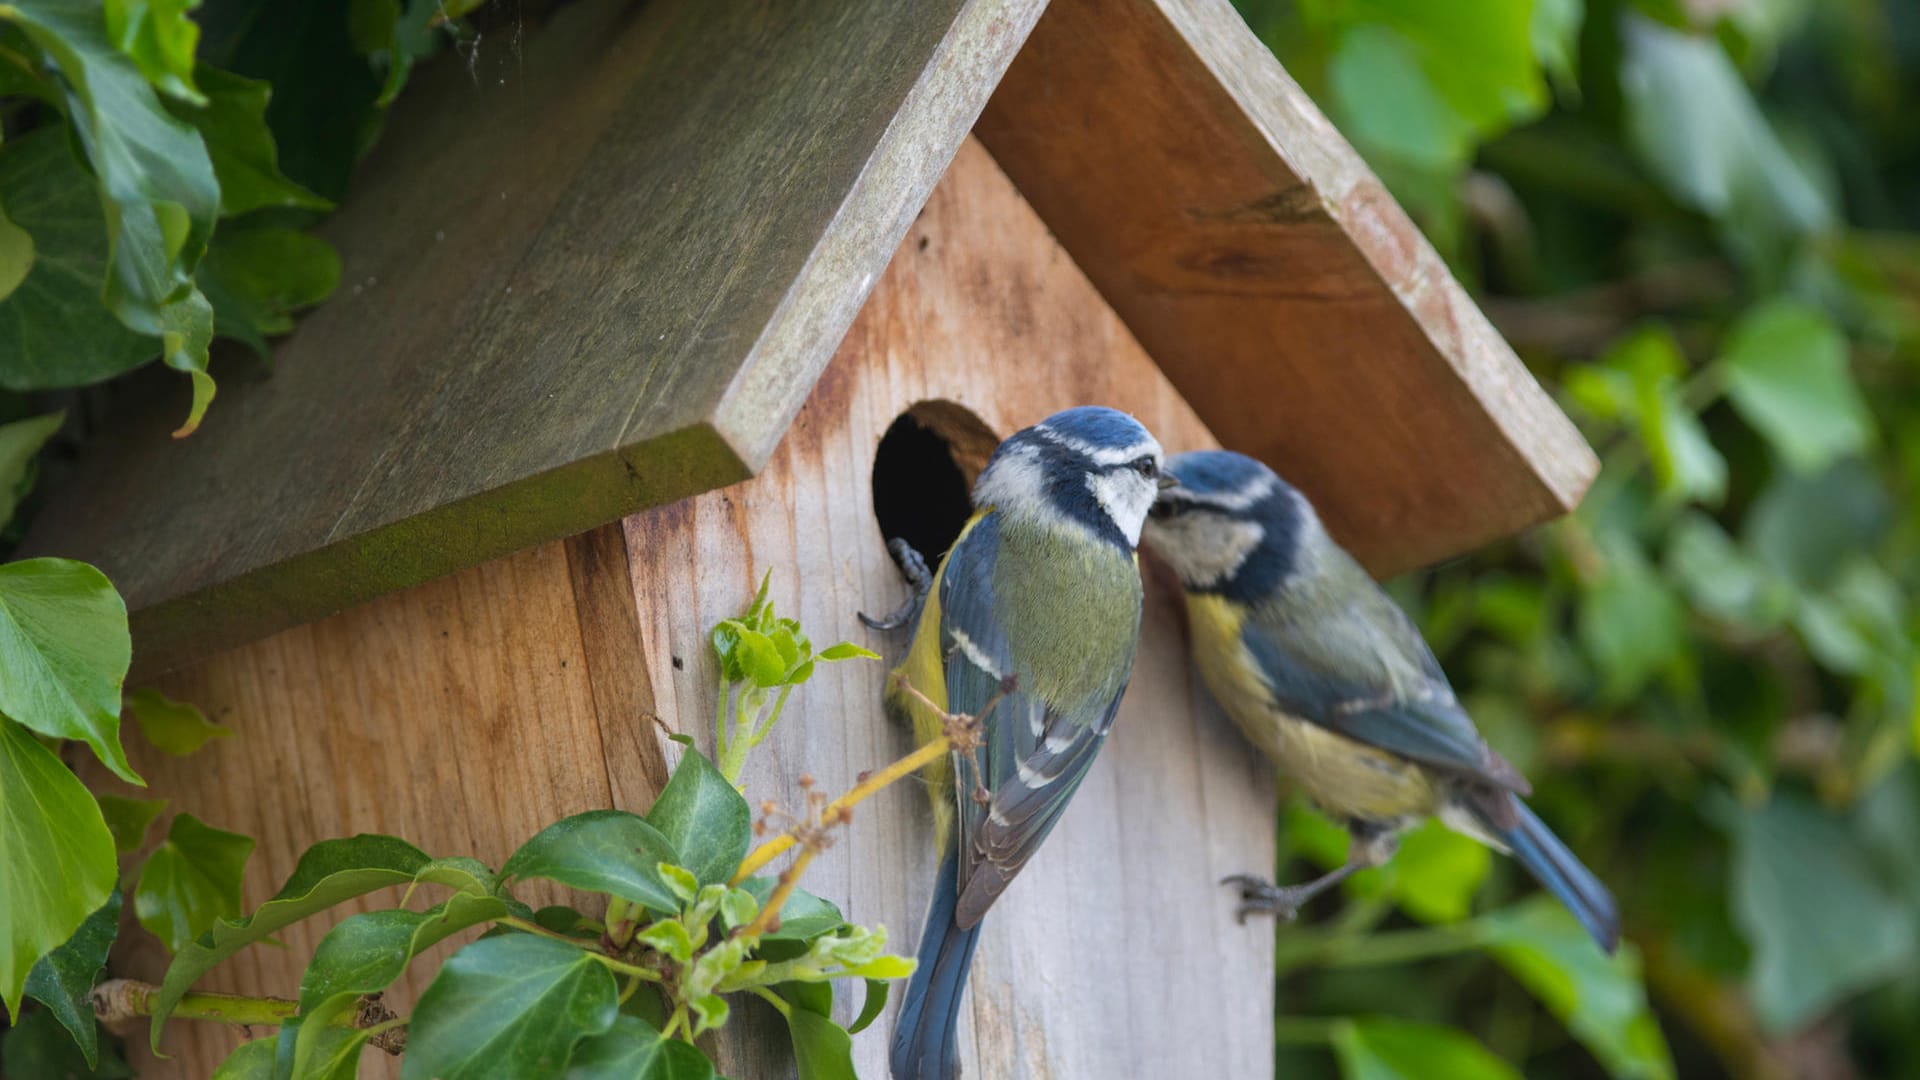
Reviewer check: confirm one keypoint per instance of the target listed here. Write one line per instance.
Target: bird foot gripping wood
(1259, 896)
(913, 567)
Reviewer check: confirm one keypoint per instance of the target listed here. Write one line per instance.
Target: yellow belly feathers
(1345, 778)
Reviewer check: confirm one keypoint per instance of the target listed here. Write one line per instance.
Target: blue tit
(1328, 677)
(1032, 620)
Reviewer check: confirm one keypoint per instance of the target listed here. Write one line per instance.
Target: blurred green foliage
(1698, 221)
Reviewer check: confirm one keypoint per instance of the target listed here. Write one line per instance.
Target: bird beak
(1168, 481)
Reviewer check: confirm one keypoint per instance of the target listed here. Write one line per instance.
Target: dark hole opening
(923, 475)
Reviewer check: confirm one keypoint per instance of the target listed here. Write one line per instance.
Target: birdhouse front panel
(469, 712)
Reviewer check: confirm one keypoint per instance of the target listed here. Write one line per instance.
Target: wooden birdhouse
(668, 296)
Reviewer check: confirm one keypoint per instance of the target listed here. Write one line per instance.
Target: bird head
(1230, 525)
(1090, 470)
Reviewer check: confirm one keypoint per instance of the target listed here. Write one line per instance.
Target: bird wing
(1035, 755)
(1336, 651)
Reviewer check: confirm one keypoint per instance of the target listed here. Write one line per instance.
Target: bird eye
(1145, 466)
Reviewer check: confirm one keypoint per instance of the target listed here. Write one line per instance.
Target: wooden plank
(462, 715)
(1176, 801)
(589, 274)
(1275, 281)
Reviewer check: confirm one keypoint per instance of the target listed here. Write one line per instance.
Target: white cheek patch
(1125, 496)
(1207, 549)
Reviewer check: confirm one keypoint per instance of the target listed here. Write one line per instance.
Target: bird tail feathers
(926, 1033)
(1559, 871)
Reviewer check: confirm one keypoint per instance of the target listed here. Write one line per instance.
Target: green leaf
(759, 659)
(51, 325)
(606, 851)
(1693, 121)
(1555, 31)
(1720, 579)
(509, 1006)
(1435, 874)
(152, 170)
(159, 38)
(190, 881)
(704, 818)
(129, 819)
(186, 334)
(1390, 106)
(20, 444)
(710, 1011)
(669, 937)
(633, 1050)
(257, 276)
(314, 1048)
(364, 954)
(847, 650)
(803, 917)
(63, 979)
(251, 1060)
(64, 651)
(468, 875)
(1378, 1048)
(871, 1008)
(56, 857)
(1787, 373)
(330, 872)
(175, 727)
(821, 1048)
(1598, 997)
(564, 920)
(1630, 622)
(1791, 858)
(38, 1048)
(233, 121)
(16, 254)
(738, 908)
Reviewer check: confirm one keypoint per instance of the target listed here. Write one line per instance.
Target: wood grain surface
(596, 266)
(466, 713)
(1275, 281)
(1118, 919)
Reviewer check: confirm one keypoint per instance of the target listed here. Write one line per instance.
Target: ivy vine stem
(118, 1000)
(874, 781)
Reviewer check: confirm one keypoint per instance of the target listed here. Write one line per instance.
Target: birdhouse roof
(603, 269)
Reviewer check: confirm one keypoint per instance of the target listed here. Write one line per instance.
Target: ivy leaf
(847, 650)
(1696, 125)
(151, 168)
(16, 254)
(64, 650)
(509, 1006)
(129, 819)
(186, 333)
(158, 36)
(1630, 622)
(606, 851)
(51, 323)
(1598, 997)
(1556, 42)
(38, 1047)
(1720, 579)
(704, 818)
(56, 857)
(330, 872)
(633, 1050)
(1787, 854)
(1787, 374)
(251, 1060)
(759, 659)
(821, 1048)
(1378, 1048)
(461, 872)
(803, 917)
(190, 881)
(332, 1051)
(257, 276)
(870, 1008)
(233, 120)
(63, 979)
(364, 954)
(173, 726)
(20, 443)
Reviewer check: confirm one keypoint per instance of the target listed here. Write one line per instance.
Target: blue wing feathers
(926, 1034)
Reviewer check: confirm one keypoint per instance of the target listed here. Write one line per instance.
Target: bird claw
(1258, 896)
(913, 567)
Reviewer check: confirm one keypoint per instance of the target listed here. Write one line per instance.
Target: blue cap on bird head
(1222, 472)
(1089, 469)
